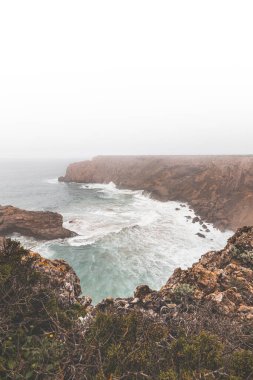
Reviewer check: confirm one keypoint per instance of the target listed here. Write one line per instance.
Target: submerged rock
(201, 235)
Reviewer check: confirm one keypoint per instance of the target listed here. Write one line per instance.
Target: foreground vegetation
(41, 338)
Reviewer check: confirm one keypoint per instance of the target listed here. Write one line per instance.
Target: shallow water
(124, 238)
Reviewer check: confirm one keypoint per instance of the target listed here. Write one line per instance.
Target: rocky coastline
(220, 280)
(218, 188)
(223, 280)
(198, 325)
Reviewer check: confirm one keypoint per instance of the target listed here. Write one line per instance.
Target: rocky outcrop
(219, 188)
(224, 278)
(222, 282)
(39, 224)
(62, 278)
(58, 274)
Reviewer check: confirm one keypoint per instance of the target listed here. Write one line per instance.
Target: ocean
(125, 238)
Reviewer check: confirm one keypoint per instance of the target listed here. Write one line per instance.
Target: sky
(81, 78)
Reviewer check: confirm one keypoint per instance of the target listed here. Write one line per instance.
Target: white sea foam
(158, 224)
(126, 238)
(110, 189)
(95, 223)
(52, 181)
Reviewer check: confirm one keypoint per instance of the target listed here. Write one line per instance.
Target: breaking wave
(126, 238)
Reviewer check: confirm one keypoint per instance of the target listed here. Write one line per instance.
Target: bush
(168, 375)
(33, 323)
(183, 292)
(245, 257)
(242, 364)
(201, 352)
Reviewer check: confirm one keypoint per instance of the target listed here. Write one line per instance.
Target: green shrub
(242, 364)
(200, 352)
(127, 342)
(183, 292)
(168, 375)
(32, 320)
(244, 256)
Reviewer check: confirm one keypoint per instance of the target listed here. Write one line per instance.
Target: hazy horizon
(107, 78)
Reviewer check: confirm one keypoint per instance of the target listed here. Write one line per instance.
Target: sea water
(125, 238)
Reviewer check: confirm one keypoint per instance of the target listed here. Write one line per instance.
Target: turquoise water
(124, 238)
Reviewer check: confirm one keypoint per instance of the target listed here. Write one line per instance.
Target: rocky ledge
(218, 188)
(39, 224)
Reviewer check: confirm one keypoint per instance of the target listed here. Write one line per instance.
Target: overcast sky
(80, 78)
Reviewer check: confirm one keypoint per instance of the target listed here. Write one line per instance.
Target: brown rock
(39, 224)
(245, 309)
(142, 291)
(61, 277)
(224, 278)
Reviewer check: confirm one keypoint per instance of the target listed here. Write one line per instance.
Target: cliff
(39, 224)
(198, 326)
(218, 188)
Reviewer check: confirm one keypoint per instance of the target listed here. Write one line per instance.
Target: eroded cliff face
(219, 188)
(39, 224)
